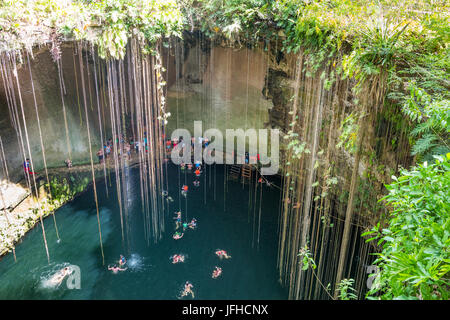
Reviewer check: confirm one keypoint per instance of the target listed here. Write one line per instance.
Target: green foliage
(63, 191)
(307, 260)
(431, 134)
(415, 256)
(346, 290)
(349, 131)
(297, 146)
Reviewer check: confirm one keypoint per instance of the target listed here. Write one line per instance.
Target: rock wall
(213, 82)
(50, 109)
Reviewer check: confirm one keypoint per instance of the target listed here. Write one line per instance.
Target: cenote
(348, 100)
(226, 224)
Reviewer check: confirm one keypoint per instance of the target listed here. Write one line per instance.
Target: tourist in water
(185, 225)
(217, 272)
(116, 269)
(178, 235)
(58, 277)
(177, 258)
(193, 223)
(178, 219)
(197, 172)
(222, 254)
(122, 261)
(188, 289)
(196, 183)
(184, 190)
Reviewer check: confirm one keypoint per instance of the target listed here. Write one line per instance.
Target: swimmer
(169, 199)
(197, 172)
(216, 273)
(164, 193)
(193, 223)
(177, 258)
(188, 289)
(178, 219)
(222, 254)
(178, 236)
(184, 190)
(122, 261)
(185, 225)
(116, 269)
(58, 277)
(196, 183)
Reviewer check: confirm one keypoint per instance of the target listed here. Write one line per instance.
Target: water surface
(224, 223)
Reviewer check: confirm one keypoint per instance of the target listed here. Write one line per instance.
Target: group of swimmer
(215, 274)
(116, 268)
(197, 172)
(192, 225)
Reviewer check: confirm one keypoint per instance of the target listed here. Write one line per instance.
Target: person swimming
(116, 269)
(197, 172)
(178, 235)
(187, 289)
(59, 276)
(193, 223)
(184, 190)
(122, 261)
(185, 225)
(196, 183)
(178, 219)
(177, 258)
(222, 254)
(217, 272)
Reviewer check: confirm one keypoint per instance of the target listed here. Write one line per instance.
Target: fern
(432, 131)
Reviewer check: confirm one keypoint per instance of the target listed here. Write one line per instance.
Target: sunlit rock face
(51, 115)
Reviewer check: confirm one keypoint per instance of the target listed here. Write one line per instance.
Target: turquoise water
(222, 224)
